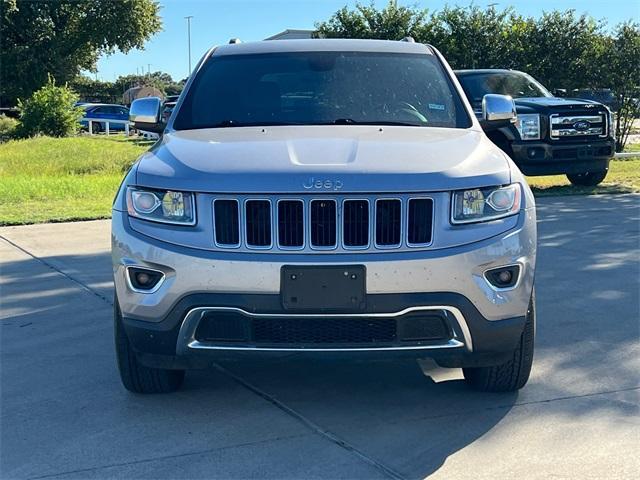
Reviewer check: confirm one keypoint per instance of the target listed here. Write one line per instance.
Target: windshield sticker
(436, 106)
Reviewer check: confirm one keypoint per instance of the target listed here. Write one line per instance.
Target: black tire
(589, 179)
(96, 128)
(136, 377)
(513, 374)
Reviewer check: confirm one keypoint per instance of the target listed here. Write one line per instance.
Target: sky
(216, 21)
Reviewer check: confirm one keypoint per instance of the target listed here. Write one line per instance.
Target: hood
(551, 104)
(303, 159)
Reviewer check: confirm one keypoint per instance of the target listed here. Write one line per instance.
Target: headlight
(528, 125)
(612, 124)
(165, 206)
(484, 204)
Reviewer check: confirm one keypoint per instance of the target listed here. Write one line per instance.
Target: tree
(623, 76)
(391, 23)
(472, 37)
(50, 111)
(63, 37)
(565, 50)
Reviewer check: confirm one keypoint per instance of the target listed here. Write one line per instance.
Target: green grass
(60, 179)
(632, 147)
(623, 177)
(57, 179)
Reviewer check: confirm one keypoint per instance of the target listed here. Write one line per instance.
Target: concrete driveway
(65, 414)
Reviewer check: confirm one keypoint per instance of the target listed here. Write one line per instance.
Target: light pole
(189, 40)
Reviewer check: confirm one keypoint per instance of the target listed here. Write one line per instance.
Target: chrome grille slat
(290, 223)
(388, 223)
(323, 215)
(323, 223)
(355, 223)
(258, 223)
(420, 226)
(226, 223)
(564, 125)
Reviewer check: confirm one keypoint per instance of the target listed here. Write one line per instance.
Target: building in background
(292, 34)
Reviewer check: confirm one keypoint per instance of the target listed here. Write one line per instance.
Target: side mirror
(145, 114)
(497, 111)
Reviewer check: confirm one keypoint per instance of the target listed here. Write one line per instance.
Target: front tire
(589, 179)
(135, 376)
(513, 374)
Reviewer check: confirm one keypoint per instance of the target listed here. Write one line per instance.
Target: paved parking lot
(65, 415)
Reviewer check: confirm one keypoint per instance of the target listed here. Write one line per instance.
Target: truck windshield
(322, 88)
(516, 84)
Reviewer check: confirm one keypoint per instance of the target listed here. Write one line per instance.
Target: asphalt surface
(64, 413)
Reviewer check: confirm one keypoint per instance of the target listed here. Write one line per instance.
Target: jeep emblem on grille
(582, 125)
(320, 184)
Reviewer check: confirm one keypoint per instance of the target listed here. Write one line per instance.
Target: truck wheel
(513, 374)
(136, 377)
(589, 179)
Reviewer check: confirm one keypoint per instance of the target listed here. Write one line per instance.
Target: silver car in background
(324, 197)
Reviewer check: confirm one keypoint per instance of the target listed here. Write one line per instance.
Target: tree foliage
(560, 49)
(64, 37)
(91, 90)
(624, 50)
(50, 111)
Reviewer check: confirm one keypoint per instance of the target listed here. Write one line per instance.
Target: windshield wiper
(235, 123)
(226, 124)
(350, 121)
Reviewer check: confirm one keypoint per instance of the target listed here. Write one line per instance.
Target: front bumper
(555, 158)
(485, 321)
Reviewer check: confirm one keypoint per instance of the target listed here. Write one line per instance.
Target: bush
(8, 127)
(50, 111)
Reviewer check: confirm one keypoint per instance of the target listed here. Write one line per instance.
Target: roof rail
(234, 41)
(408, 39)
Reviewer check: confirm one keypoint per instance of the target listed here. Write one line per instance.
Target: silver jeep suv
(324, 197)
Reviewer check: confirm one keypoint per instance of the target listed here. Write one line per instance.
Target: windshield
(322, 88)
(516, 84)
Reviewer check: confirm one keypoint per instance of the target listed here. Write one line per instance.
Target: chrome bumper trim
(187, 341)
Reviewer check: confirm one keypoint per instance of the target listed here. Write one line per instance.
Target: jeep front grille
(227, 227)
(323, 223)
(355, 221)
(328, 223)
(291, 223)
(578, 125)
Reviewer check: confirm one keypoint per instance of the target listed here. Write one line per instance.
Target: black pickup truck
(552, 135)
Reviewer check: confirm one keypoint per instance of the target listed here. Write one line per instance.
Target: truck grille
(573, 126)
(323, 224)
(234, 328)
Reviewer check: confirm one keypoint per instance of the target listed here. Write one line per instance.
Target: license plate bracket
(328, 288)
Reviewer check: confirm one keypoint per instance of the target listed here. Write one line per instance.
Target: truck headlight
(166, 206)
(484, 204)
(528, 125)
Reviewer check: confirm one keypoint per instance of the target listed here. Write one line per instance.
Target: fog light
(503, 277)
(142, 279)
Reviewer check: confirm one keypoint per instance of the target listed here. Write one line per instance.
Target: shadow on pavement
(58, 375)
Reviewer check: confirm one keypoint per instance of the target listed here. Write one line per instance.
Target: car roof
(89, 105)
(485, 71)
(322, 45)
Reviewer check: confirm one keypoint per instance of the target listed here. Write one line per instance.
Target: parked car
(167, 110)
(324, 197)
(106, 112)
(552, 135)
